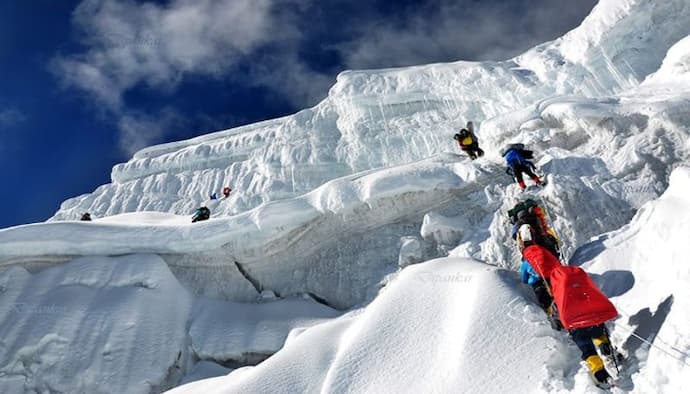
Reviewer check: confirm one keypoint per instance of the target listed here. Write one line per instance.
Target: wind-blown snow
(330, 203)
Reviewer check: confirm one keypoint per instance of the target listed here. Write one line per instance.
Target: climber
(572, 301)
(201, 213)
(226, 191)
(536, 266)
(468, 141)
(213, 196)
(86, 217)
(516, 157)
(583, 311)
(529, 212)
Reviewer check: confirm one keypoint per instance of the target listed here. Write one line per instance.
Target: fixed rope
(682, 357)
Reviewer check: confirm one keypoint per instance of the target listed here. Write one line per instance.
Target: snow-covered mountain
(309, 255)
(374, 119)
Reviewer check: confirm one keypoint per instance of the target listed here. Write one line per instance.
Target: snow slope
(645, 264)
(457, 325)
(426, 333)
(330, 203)
(125, 324)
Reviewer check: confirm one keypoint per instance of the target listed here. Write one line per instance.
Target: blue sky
(86, 83)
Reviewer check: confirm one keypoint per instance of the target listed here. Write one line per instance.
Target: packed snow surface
(434, 314)
(361, 251)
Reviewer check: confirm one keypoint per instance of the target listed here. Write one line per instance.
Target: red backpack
(580, 303)
(543, 261)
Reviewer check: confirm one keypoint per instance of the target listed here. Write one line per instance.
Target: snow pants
(520, 169)
(542, 293)
(587, 339)
(473, 150)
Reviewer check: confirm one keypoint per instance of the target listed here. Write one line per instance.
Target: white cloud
(91, 78)
(128, 44)
(139, 130)
(10, 117)
(289, 75)
(454, 30)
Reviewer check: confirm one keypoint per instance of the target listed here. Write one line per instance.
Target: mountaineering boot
(604, 345)
(598, 373)
(537, 181)
(522, 185)
(612, 357)
(602, 379)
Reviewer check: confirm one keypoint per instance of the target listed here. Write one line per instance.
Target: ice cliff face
(381, 118)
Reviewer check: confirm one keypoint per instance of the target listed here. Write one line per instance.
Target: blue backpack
(514, 158)
(516, 154)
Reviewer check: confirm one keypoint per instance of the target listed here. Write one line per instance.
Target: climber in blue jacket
(518, 164)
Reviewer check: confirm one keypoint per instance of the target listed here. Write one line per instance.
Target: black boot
(602, 379)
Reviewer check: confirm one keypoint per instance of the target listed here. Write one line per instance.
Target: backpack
(464, 137)
(542, 261)
(515, 159)
(520, 149)
(200, 214)
(529, 212)
(538, 231)
(527, 154)
(509, 147)
(522, 206)
(580, 302)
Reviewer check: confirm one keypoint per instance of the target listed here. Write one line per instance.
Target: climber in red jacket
(583, 311)
(581, 307)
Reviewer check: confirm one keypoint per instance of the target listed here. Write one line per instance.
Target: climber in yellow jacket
(468, 142)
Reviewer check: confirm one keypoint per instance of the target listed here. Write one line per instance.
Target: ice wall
(381, 118)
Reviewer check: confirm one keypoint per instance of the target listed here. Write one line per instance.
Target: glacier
(361, 251)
